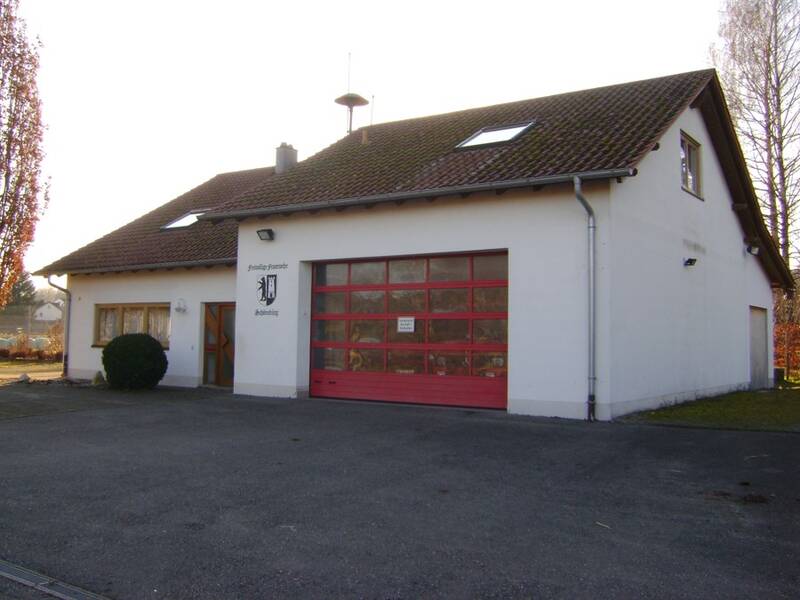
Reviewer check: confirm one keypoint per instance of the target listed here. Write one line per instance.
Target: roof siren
(351, 100)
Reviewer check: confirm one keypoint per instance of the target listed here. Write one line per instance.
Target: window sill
(691, 193)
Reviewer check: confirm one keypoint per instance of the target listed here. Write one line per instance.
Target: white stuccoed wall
(195, 287)
(679, 332)
(665, 332)
(544, 233)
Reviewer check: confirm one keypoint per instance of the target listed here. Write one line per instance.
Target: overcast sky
(144, 100)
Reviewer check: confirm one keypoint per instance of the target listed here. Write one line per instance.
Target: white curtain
(107, 327)
(158, 324)
(133, 320)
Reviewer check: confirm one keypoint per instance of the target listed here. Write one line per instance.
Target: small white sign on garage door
(405, 324)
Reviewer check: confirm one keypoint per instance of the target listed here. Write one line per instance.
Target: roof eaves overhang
(189, 264)
(340, 203)
(711, 103)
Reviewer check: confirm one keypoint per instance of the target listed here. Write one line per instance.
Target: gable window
(184, 221)
(690, 165)
(111, 320)
(495, 135)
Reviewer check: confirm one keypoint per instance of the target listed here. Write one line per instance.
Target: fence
(23, 335)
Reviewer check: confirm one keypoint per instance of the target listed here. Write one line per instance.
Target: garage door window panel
(328, 359)
(450, 300)
(330, 274)
(449, 268)
(407, 301)
(368, 302)
(448, 331)
(368, 273)
(367, 331)
(365, 360)
(330, 302)
(492, 267)
(448, 363)
(406, 362)
(329, 330)
(490, 364)
(490, 331)
(491, 299)
(407, 271)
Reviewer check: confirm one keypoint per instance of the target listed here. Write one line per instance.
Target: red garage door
(430, 330)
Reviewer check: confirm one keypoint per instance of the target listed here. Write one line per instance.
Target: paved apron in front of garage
(199, 494)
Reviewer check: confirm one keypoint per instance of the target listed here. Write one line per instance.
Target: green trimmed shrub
(134, 361)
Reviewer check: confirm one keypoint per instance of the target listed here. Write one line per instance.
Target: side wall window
(690, 165)
(111, 320)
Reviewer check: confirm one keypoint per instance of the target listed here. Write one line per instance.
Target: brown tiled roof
(600, 132)
(606, 128)
(144, 244)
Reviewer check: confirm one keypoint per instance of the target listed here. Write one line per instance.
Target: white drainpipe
(591, 228)
(67, 309)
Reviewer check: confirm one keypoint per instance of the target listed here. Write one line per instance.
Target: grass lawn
(11, 369)
(775, 410)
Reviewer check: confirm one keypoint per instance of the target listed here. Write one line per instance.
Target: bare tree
(759, 64)
(22, 195)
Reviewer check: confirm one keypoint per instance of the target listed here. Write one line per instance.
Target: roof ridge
(523, 100)
(241, 171)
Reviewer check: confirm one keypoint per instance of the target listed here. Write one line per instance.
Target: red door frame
(428, 388)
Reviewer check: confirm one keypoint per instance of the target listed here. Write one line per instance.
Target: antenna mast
(372, 109)
(350, 100)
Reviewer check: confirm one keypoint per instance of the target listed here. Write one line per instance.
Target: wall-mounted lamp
(689, 262)
(180, 306)
(753, 249)
(266, 235)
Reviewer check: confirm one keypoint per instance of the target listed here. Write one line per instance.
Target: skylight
(494, 135)
(184, 221)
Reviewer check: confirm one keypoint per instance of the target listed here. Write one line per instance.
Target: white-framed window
(690, 165)
(111, 320)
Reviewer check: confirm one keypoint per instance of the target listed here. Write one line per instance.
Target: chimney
(285, 158)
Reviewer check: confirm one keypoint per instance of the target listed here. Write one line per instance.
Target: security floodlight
(266, 235)
(689, 262)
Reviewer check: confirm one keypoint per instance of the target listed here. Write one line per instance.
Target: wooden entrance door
(219, 343)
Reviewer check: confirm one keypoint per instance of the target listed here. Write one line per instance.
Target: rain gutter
(416, 194)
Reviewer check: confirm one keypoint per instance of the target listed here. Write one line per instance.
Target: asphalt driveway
(200, 494)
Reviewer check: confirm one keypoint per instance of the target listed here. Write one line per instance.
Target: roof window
(186, 220)
(495, 135)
